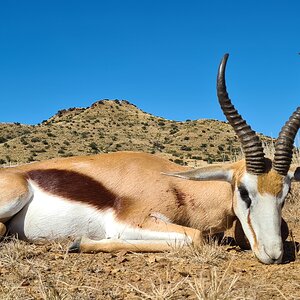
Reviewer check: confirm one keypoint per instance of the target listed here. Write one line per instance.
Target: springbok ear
(294, 174)
(205, 173)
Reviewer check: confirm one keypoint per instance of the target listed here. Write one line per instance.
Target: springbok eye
(245, 195)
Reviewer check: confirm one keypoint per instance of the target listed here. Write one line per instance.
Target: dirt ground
(47, 271)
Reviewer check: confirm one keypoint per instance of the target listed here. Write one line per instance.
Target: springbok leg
(153, 236)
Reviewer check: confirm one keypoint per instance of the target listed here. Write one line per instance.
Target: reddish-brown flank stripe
(179, 196)
(73, 186)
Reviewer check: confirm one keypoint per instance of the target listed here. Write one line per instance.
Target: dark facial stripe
(73, 186)
(252, 230)
(244, 195)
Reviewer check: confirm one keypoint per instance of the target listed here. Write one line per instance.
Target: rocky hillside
(113, 125)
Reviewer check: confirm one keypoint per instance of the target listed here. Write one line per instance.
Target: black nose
(274, 260)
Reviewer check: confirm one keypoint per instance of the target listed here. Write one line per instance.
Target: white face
(260, 216)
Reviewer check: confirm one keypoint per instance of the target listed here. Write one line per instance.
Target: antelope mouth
(268, 258)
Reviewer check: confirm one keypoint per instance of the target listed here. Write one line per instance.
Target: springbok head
(259, 185)
(261, 190)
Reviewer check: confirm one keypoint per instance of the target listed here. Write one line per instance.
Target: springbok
(141, 202)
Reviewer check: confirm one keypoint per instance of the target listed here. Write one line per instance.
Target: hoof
(75, 247)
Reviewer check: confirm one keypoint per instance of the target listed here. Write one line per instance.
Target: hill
(113, 125)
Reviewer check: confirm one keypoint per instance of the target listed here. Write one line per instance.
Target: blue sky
(161, 55)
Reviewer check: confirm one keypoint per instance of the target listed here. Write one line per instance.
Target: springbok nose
(276, 260)
(275, 254)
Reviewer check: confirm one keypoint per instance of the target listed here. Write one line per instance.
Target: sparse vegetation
(47, 271)
(112, 126)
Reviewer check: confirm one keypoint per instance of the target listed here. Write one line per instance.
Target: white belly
(49, 217)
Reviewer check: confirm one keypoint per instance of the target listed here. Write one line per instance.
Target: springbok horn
(284, 144)
(251, 144)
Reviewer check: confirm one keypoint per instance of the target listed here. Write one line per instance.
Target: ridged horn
(285, 143)
(251, 144)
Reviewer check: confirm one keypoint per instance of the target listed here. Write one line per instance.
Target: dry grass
(215, 286)
(169, 286)
(209, 285)
(162, 289)
(47, 271)
(210, 253)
